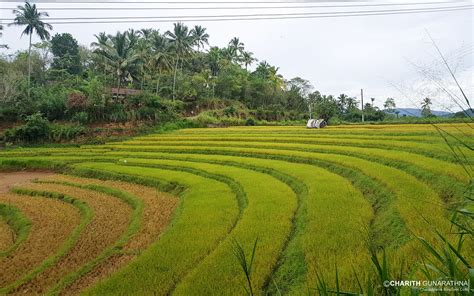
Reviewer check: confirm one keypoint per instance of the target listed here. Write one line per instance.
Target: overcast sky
(380, 54)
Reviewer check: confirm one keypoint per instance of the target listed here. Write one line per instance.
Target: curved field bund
(160, 214)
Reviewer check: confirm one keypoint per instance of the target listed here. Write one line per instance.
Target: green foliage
(245, 264)
(66, 53)
(18, 222)
(250, 122)
(60, 133)
(81, 118)
(36, 129)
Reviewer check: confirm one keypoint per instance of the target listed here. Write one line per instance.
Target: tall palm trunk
(118, 86)
(29, 67)
(174, 78)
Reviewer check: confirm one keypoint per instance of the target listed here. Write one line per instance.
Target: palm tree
(372, 99)
(248, 59)
(30, 17)
(214, 57)
(99, 47)
(181, 41)
(2, 45)
(236, 44)
(235, 49)
(200, 36)
(161, 56)
(120, 54)
(146, 33)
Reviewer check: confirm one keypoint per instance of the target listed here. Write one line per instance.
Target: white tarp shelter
(316, 123)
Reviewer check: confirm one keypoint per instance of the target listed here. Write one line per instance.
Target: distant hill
(417, 112)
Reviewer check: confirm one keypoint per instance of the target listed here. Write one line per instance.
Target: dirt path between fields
(11, 179)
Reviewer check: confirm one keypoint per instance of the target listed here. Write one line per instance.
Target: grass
(20, 226)
(326, 205)
(208, 206)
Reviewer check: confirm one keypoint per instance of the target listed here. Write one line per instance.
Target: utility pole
(362, 102)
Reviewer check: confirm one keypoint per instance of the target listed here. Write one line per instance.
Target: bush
(60, 133)
(250, 122)
(81, 118)
(36, 129)
(229, 111)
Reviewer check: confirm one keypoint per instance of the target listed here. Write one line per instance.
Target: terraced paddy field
(161, 214)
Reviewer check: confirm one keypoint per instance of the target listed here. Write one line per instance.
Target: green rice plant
(428, 163)
(318, 180)
(208, 208)
(19, 224)
(401, 182)
(245, 264)
(276, 204)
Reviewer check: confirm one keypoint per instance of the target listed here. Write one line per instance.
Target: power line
(232, 7)
(263, 15)
(252, 18)
(186, 2)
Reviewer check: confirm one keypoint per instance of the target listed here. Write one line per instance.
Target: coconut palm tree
(214, 57)
(201, 38)
(101, 42)
(120, 54)
(146, 33)
(161, 56)
(2, 45)
(30, 17)
(99, 47)
(237, 45)
(181, 41)
(248, 59)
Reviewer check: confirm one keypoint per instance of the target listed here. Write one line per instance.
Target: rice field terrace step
(57, 224)
(110, 219)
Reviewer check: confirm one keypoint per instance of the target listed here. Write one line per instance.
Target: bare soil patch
(11, 179)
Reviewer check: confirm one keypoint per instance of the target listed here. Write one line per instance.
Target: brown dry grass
(49, 230)
(157, 213)
(111, 217)
(6, 235)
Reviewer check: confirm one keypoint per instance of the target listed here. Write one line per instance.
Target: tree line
(172, 73)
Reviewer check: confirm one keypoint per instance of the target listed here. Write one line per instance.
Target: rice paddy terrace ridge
(161, 214)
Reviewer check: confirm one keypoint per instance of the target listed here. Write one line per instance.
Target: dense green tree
(426, 107)
(324, 107)
(298, 90)
(30, 17)
(65, 52)
(389, 105)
